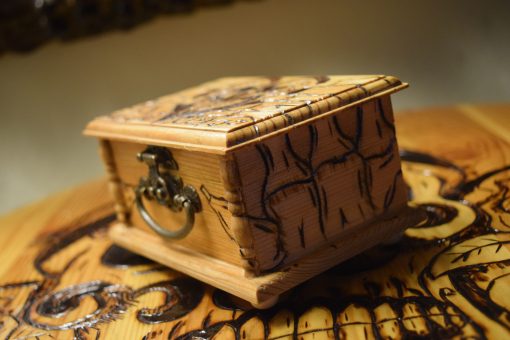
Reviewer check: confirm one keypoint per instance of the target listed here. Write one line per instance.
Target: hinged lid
(228, 112)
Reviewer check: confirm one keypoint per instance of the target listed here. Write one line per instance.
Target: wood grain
(303, 189)
(494, 118)
(230, 112)
(306, 161)
(211, 234)
(262, 290)
(61, 278)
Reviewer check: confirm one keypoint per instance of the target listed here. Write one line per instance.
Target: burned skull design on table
(412, 288)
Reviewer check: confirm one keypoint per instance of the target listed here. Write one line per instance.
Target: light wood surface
(449, 277)
(230, 112)
(202, 171)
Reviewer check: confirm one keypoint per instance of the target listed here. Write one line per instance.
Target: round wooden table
(60, 276)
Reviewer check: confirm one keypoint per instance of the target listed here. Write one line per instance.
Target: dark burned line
(294, 154)
(308, 170)
(209, 196)
(223, 223)
(285, 159)
(263, 228)
(343, 219)
(330, 128)
(325, 200)
(390, 193)
(312, 197)
(302, 234)
(480, 298)
(269, 155)
(463, 278)
(365, 181)
(378, 126)
(361, 210)
(176, 116)
(360, 183)
(471, 185)
(336, 307)
(386, 152)
(365, 177)
(67, 239)
(386, 162)
(322, 226)
(425, 158)
(504, 196)
(301, 168)
(465, 255)
(112, 299)
(382, 114)
(340, 140)
(175, 329)
(314, 140)
(342, 134)
(370, 178)
(274, 218)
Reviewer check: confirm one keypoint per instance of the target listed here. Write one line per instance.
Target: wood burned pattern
(230, 103)
(231, 111)
(307, 187)
(447, 278)
(260, 152)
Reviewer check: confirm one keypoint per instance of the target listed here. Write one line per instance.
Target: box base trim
(261, 291)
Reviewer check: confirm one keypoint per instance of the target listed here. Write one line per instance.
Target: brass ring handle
(166, 189)
(173, 234)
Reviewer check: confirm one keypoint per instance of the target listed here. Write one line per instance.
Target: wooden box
(255, 184)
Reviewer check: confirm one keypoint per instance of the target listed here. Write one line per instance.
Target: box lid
(229, 112)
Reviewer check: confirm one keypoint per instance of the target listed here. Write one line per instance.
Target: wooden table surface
(60, 277)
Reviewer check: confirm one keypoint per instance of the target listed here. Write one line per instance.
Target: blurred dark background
(451, 52)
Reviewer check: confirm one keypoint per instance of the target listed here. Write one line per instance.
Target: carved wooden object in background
(60, 275)
(27, 24)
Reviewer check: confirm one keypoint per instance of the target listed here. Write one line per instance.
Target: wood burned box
(255, 184)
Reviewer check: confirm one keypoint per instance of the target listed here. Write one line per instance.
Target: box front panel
(211, 234)
(309, 185)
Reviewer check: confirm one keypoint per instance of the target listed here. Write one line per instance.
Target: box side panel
(302, 189)
(114, 182)
(211, 233)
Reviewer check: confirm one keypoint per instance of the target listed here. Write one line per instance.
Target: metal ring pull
(175, 234)
(167, 189)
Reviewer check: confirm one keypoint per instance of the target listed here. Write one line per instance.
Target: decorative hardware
(167, 189)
